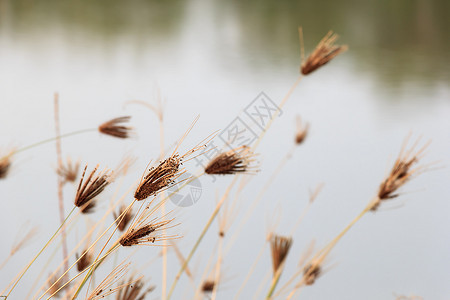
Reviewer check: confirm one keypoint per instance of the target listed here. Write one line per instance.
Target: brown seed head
(401, 172)
(54, 286)
(91, 187)
(159, 177)
(134, 291)
(5, 164)
(311, 272)
(237, 160)
(88, 207)
(105, 288)
(69, 171)
(115, 128)
(208, 286)
(144, 234)
(122, 219)
(302, 131)
(279, 246)
(325, 51)
(84, 261)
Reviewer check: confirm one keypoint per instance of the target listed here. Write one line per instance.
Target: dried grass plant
(150, 225)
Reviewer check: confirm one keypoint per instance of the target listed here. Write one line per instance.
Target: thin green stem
(274, 283)
(53, 139)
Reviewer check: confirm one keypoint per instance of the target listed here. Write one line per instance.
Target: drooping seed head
(115, 128)
(325, 51)
(91, 187)
(279, 246)
(238, 160)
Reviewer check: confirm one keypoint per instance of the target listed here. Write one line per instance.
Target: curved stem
(53, 139)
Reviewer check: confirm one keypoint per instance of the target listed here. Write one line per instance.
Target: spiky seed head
(401, 172)
(69, 171)
(160, 177)
(133, 291)
(84, 260)
(115, 128)
(325, 51)
(237, 160)
(144, 234)
(302, 131)
(279, 246)
(122, 218)
(92, 186)
(208, 286)
(311, 272)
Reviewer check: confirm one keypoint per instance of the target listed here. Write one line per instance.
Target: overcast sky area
(212, 59)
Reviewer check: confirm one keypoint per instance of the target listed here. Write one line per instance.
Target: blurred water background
(212, 58)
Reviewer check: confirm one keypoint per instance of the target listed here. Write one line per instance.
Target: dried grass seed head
(160, 177)
(88, 207)
(145, 233)
(134, 291)
(56, 287)
(279, 246)
(325, 51)
(208, 286)
(122, 218)
(92, 186)
(402, 171)
(116, 128)
(238, 160)
(311, 272)
(105, 288)
(302, 131)
(69, 171)
(84, 260)
(5, 165)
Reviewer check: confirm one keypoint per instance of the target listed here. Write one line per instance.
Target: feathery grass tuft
(84, 260)
(237, 160)
(115, 128)
(91, 187)
(279, 246)
(325, 51)
(125, 219)
(69, 171)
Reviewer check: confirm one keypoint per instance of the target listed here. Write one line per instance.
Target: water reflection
(399, 42)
